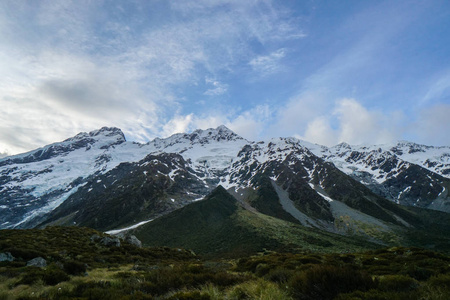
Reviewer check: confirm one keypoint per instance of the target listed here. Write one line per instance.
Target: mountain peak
(108, 131)
(102, 133)
(223, 128)
(221, 133)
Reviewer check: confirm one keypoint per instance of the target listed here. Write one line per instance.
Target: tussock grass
(163, 273)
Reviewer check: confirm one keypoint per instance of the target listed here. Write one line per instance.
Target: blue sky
(323, 71)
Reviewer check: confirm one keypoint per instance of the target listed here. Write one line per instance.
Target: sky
(361, 72)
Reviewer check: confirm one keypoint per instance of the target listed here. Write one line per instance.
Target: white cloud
(293, 117)
(268, 64)
(252, 123)
(218, 88)
(358, 125)
(354, 124)
(178, 124)
(319, 131)
(439, 89)
(433, 125)
(249, 124)
(73, 66)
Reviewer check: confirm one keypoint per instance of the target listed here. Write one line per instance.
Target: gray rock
(6, 256)
(95, 238)
(110, 242)
(131, 239)
(37, 262)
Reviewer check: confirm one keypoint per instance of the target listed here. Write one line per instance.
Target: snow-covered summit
(347, 157)
(208, 150)
(111, 134)
(199, 136)
(101, 139)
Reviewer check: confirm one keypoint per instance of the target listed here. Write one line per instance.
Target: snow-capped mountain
(406, 173)
(99, 179)
(36, 182)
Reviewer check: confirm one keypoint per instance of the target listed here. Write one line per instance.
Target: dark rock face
(37, 262)
(132, 191)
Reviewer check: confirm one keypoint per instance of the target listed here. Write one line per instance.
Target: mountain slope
(406, 173)
(130, 193)
(99, 180)
(220, 226)
(35, 183)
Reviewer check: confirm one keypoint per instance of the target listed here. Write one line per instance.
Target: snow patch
(116, 231)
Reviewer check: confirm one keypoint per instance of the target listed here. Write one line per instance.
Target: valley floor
(81, 267)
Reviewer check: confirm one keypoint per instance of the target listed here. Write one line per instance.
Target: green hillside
(219, 226)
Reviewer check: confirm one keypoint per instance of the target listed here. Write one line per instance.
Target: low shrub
(378, 295)
(25, 254)
(55, 276)
(441, 281)
(189, 295)
(326, 282)
(51, 276)
(397, 283)
(262, 269)
(95, 290)
(74, 267)
(280, 275)
(259, 289)
(419, 273)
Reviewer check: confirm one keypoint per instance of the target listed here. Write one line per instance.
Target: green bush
(262, 269)
(55, 276)
(419, 273)
(189, 295)
(326, 282)
(378, 295)
(95, 290)
(74, 267)
(280, 275)
(397, 283)
(25, 254)
(51, 276)
(137, 296)
(441, 281)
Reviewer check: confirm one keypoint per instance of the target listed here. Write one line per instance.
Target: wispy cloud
(268, 64)
(439, 89)
(83, 64)
(178, 124)
(217, 89)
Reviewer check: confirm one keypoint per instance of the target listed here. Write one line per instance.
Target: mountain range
(383, 194)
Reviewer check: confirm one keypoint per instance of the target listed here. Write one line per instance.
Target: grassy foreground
(81, 268)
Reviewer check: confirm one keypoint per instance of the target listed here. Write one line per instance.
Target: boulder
(6, 256)
(95, 238)
(37, 262)
(133, 240)
(110, 242)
